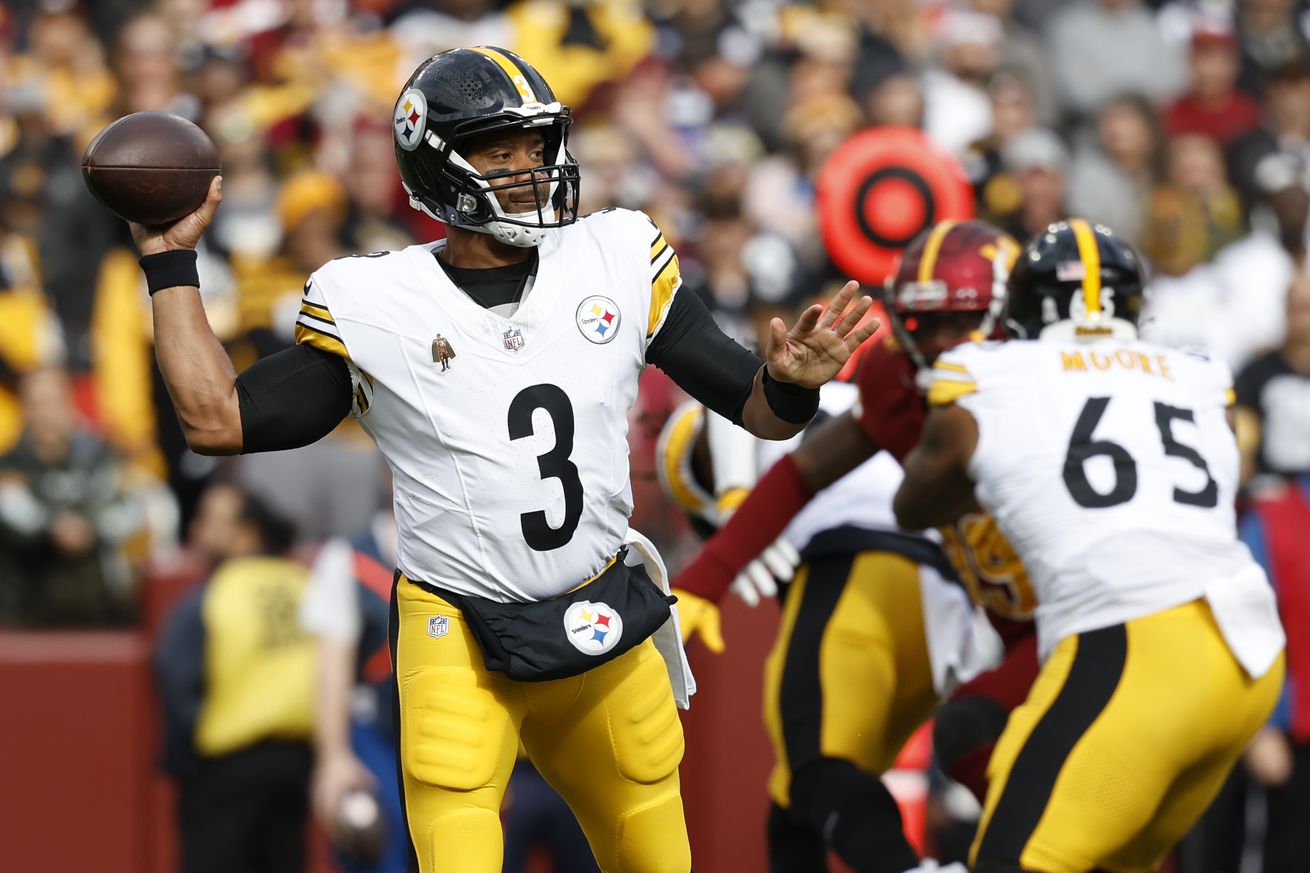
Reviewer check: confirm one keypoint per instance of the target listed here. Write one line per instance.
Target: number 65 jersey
(506, 435)
(1112, 470)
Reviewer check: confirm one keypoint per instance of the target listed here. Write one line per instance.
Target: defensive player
(495, 371)
(948, 286)
(1110, 465)
(871, 635)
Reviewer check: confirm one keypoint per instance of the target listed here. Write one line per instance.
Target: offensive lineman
(1111, 466)
(495, 370)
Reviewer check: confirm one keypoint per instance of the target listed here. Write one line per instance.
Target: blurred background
(1184, 125)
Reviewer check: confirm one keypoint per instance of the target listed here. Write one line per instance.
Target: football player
(948, 287)
(1111, 466)
(495, 370)
(871, 634)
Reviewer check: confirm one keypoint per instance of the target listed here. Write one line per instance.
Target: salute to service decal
(592, 628)
(598, 319)
(442, 352)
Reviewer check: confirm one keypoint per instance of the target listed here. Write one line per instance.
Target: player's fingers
(762, 577)
(857, 337)
(742, 587)
(809, 320)
(838, 305)
(212, 199)
(851, 319)
(777, 337)
(779, 567)
(788, 551)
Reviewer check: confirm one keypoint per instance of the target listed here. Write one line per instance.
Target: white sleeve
(330, 607)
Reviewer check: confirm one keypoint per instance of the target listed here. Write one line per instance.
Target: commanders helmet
(1076, 280)
(464, 93)
(953, 271)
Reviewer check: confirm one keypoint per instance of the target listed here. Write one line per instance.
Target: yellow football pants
(848, 676)
(609, 741)
(1126, 737)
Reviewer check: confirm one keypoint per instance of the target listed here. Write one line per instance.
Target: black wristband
(169, 269)
(789, 401)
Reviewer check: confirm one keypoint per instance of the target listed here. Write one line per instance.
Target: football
(150, 167)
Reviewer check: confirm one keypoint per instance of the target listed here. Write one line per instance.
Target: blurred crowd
(1182, 124)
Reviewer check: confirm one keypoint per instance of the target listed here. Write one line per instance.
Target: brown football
(150, 167)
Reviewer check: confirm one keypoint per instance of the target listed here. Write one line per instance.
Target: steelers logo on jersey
(598, 319)
(592, 628)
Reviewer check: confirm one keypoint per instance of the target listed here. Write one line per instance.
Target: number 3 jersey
(1112, 470)
(506, 436)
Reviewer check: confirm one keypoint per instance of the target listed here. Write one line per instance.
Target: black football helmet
(464, 93)
(1076, 280)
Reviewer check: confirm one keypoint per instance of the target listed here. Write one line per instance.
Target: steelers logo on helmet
(592, 628)
(879, 190)
(468, 96)
(410, 119)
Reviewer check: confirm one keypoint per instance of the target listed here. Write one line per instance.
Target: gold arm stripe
(932, 248)
(1230, 397)
(308, 336)
(732, 498)
(315, 310)
(1090, 254)
(661, 294)
(361, 399)
(306, 314)
(677, 447)
(658, 248)
(941, 393)
(951, 368)
(516, 76)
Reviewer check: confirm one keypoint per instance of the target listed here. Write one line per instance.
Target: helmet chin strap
(512, 234)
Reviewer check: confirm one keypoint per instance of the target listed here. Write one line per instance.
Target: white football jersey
(1111, 469)
(506, 435)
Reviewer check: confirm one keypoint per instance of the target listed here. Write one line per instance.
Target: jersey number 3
(555, 464)
(1083, 447)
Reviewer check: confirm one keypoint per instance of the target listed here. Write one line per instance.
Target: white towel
(668, 639)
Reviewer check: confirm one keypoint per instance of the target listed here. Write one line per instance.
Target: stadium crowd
(1184, 125)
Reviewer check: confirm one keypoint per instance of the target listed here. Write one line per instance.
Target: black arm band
(292, 398)
(704, 361)
(789, 401)
(170, 269)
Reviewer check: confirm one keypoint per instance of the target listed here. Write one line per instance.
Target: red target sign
(879, 190)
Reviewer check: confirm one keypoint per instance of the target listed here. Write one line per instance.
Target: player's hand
(335, 776)
(821, 341)
(760, 579)
(184, 233)
(699, 617)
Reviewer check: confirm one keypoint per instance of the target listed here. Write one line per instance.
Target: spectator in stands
(64, 517)
(1103, 48)
(1112, 177)
(1272, 35)
(1213, 106)
(1195, 212)
(235, 673)
(958, 109)
(1021, 52)
(1030, 193)
(1284, 130)
(1273, 397)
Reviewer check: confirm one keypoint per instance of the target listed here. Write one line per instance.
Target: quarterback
(495, 370)
(1111, 466)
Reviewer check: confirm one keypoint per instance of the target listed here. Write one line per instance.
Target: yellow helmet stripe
(932, 248)
(510, 69)
(1090, 254)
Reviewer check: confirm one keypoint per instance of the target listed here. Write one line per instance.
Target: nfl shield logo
(514, 339)
(438, 626)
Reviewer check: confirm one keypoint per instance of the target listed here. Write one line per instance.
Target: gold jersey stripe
(658, 248)
(362, 400)
(319, 340)
(1090, 254)
(941, 392)
(932, 248)
(732, 498)
(516, 76)
(1230, 397)
(661, 294)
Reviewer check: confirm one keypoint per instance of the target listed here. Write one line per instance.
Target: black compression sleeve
(704, 361)
(292, 398)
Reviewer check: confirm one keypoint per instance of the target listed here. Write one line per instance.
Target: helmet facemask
(469, 199)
